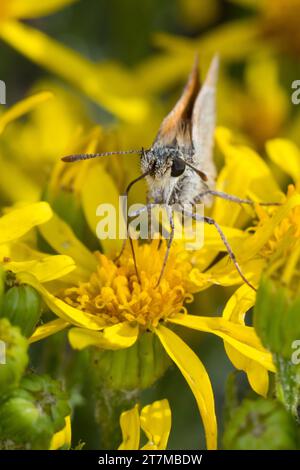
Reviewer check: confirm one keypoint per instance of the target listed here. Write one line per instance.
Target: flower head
(108, 309)
(114, 294)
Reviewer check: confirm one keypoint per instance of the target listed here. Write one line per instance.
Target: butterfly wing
(204, 123)
(176, 127)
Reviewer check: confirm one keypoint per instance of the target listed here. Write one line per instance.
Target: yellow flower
(276, 242)
(63, 437)
(154, 420)
(108, 86)
(107, 307)
(110, 310)
(278, 20)
(261, 105)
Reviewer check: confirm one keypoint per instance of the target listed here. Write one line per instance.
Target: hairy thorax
(165, 189)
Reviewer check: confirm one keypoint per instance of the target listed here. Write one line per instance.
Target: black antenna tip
(69, 158)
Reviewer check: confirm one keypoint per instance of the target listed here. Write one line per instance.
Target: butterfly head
(163, 161)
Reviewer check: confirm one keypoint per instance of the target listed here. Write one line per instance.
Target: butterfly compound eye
(178, 167)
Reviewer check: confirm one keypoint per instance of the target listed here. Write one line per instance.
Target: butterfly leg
(136, 213)
(211, 221)
(238, 200)
(147, 207)
(170, 240)
(125, 214)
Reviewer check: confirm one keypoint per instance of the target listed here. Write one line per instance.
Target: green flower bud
(270, 310)
(261, 425)
(137, 367)
(276, 320)
(13, 356)
(33, 413)
(22, 306)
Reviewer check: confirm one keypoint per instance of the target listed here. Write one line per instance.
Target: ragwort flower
(68, 64)
(274, 246)
(106, 307)
(109, 309)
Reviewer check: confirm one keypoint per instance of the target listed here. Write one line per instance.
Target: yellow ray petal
(239, 304)
(161, 71)
(130, 426)
(196, 376)
(24, 187)
(93, 194)
(35, 8)
(235, 310)
(254, 244)
(21, 251)
(119, 336)
(245, 174)
(156, 422)
(258, 378)
(60, 308)
(23, 107)
(19, 221)
(286, 155)
(257, 374)
(62, 438)
(243, 338)
(224, 272)
(45, 269)
(74, 68)
(61, 237)
(48, 329)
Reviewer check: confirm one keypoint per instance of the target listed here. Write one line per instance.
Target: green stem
(109, 406)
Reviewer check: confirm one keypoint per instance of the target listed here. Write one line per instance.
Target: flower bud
(22, 306)
(261, 425)
(276, 320)
(32, 414)
(137, 367)
(13, 356)
(276, 317)
(270, 308)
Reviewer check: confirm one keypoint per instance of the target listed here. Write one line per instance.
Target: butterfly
(179, 166)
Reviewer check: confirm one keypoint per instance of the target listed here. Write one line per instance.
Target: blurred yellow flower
(121, 100)
(28, 9)
(154, 420)
(261, 105)
(15, 183)
(194, 14)
(278, 21)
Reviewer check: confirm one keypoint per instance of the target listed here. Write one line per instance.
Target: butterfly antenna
(87, 156)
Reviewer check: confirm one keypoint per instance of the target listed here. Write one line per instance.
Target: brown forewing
(177, 125)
